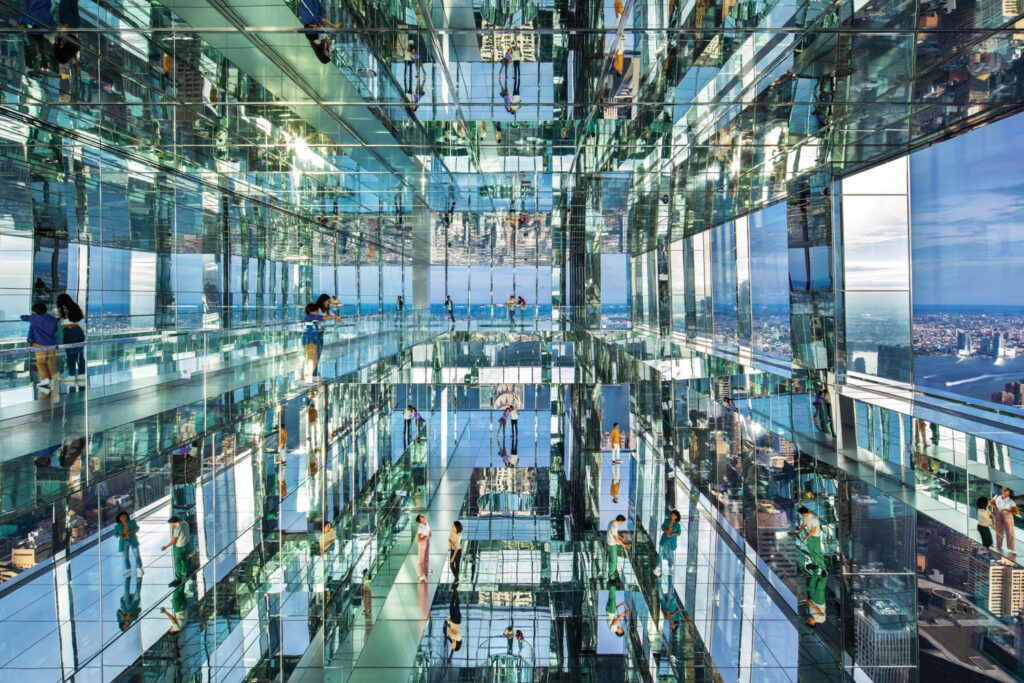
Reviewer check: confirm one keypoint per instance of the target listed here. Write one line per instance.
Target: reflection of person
(516, 56)
(312, 329)
(312, 18)
(810, 533)
(618, 9)
(70, 315)
(127, 532)
(324, 303)
(920, 431)
(1004, 509)
(616, 619)
(65, 48)
(506, 59)
(450, 308)
(453, 624)
(510, 304)
(984, 522)
(131, 604)
(421, 423)
(455, 551)
(614, 541)
(823, 413)
(815, 599)
(671, 529)
(367, 591)
(615, 488)
(503, 422)
(616, 439)
(423, 539)
(407, 416)
(179, 615)
(42, 331)
(179, 539)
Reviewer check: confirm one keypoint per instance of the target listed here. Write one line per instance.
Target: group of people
(50, 43)
(410, 415)
(997, 513)
(126, 530)
(513, 55)
(509, 416)
(317, 313)
(511, 303)
(60, 325)
(453, 624)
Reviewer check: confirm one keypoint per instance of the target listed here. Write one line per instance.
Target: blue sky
(967, 218)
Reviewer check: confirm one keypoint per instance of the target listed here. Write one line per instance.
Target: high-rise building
(885, 640)
(283, 284)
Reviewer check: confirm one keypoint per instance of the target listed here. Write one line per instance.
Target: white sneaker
(657, 571)
(140, 573)
(44, 384)
(127, 573)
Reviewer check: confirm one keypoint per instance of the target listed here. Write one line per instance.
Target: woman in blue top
(323, 304)
(313, 18)
(127, 532)
(671, 529)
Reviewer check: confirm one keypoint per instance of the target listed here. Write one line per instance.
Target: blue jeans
(667, 553)
(319, 354)
(126, 551)
(75, 357)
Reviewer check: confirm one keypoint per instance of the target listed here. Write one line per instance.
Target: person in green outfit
(671, 529)
(815, 600)
(179, 539)
(613, 540)
(616, 620)
(810, 533)
(127, 532)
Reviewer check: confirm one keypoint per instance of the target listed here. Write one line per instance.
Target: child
(42, 331)
(314, 323)
(984, 521)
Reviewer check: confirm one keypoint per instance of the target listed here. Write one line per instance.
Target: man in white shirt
(810, 533)
(407, 415)
(613, 540)
(179, 539)
(513, 415)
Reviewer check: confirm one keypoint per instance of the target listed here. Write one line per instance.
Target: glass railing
(124, 380)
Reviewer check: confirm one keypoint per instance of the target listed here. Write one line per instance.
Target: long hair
(69, 309)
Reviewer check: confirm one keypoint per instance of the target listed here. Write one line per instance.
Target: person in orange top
(618, 8)
(616, 439)
(615, 489)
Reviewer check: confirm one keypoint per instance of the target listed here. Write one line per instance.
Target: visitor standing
(423, 539)
(671, 529)
(984, 522)
(455, 551)
(179, 539)
(127, 532)
(614, 542)
(810, 533)
(70, 317)
(1004, 510)
(42, 332)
